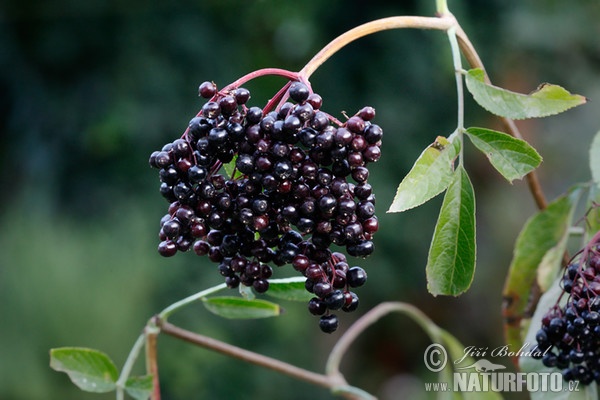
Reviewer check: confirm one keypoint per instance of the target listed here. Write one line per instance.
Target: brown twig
(329, 382)
(152, 360)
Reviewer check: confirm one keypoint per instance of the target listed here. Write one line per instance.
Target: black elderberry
(335, 300)
(287, 200)
(373, 134)
(167, 248)
(299, 92)
(351, 302)
(322, 289)
(261, 285)
(549, 360)
(328, 323)
(361, 249)
(207, 90)
(356, 276)
(317, 306)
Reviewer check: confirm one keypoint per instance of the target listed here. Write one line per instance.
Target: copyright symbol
(435, 357)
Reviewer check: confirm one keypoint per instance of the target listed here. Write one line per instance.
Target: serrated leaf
(292, 289)
(240, 308)
(546, 100)
(536, 368)
(430, 175)
(513, 158)
(540, 235)
(89, 369)
(139, 387)
(595, 158)
(451, 260)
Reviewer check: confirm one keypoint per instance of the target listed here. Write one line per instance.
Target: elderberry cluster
(569, 338)
(250, 187)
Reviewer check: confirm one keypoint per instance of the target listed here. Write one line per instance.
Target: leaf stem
(128, 366)
(164, 314)
(441, 7)
(443, 23)
(456, 59)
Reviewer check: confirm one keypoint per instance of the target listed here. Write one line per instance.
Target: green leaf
(240, 308)
(451, 261)
(292, 289)
(546, 100)
(231, 170)
(542, 234)
(595, 158)
(513, 158)
(592, 219)
(552, 262)
(538, 370)
(90, 370)
(430, 175)
(139, 387)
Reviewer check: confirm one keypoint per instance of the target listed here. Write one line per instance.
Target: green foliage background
(89, 89)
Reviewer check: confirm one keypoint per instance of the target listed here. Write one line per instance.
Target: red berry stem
(277, 99)
(293, 76)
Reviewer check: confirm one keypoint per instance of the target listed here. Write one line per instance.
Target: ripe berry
(335, 300)
(351, 302)
(328, 323)
(167, 248)
(356, 276)
(299, 92)
(317, 306)
(207, 90)
(285, 197)
(242, 95)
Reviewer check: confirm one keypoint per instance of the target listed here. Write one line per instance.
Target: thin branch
(128, 366)
(360, 325)
(336, 384)
(164, 314)
(443, 23)
(152, 360)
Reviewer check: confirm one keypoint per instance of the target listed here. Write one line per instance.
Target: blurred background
(89, 89)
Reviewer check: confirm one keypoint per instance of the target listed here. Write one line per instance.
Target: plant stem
(332, 367)
(164, 314)
(152, 359)
(336, 384)
(368, 28)
(262, 72)
(459, 91)
(128, 366)
(441, 7)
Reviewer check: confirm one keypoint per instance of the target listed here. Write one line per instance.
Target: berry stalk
(293, 76)
(399, 22)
